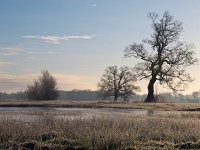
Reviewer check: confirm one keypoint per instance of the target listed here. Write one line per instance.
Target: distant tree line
(13, 96)
(77, 94)
(63, 95)
(93, 95)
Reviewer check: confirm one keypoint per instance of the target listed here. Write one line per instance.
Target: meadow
(101, 104)
(170, 129)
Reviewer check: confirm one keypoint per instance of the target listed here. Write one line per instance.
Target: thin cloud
(58, 39)
(12, 82)
(37, 52)
(5, 63)
(93, 5)
(28, 70)
(34, 53)
(37, 58)
(7, 51)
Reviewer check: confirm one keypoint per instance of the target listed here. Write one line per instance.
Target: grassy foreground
(127, 131)
(100, 133)
(102, 104)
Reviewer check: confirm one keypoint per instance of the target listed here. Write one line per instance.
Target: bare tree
(166, 59)
(45, 88)
(196, 95)
(117, 83)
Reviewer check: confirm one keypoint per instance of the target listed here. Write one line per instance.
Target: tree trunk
(115, 97)
(150, 97)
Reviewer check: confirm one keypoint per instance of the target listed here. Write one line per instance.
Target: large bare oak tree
(163, 57)
(117, 82)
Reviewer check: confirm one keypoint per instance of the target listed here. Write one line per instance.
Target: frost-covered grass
(173, 131)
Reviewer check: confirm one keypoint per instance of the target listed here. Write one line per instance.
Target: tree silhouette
(45, 88)
(166, 59)
(117, 82)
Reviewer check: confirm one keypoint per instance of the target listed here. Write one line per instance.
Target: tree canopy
(117, 82)
(45, 88)
(163, 57)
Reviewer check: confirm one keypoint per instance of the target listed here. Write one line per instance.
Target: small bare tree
(45, 88)
(117, 83)
(196, 95)
(166, 59)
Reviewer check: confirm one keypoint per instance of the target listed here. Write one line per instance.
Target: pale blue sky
(77, 39)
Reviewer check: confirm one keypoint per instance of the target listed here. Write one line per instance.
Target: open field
(173, 131)
(102, 104)
(162, 126)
